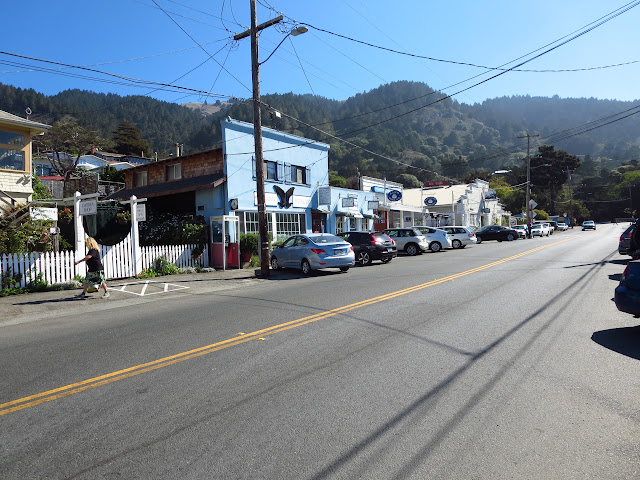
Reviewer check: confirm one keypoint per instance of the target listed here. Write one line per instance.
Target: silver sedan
(313, 251)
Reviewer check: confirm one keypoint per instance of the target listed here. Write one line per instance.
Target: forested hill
(404, 122)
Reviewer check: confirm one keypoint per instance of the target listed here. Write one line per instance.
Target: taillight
(471, 235)
(351, 248)
(318, 251)
(624, 274)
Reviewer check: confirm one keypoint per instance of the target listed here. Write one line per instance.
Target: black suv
(370, 246)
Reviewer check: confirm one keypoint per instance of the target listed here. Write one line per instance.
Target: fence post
(135, 237)
(79, 236)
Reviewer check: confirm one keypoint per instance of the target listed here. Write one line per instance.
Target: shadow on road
(621, 340)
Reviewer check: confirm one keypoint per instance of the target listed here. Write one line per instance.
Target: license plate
(340, 251)
(389, 249)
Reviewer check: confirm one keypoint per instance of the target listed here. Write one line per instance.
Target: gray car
(313, 251)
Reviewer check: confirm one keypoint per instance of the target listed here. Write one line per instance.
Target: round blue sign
(430, 201)
(394, 195)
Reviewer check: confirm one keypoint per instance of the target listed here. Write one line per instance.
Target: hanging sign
(42, 213)
(430, 201)
(141, 212)
(88, 206)
(394, 195)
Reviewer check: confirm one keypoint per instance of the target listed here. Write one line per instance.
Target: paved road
(502, 360)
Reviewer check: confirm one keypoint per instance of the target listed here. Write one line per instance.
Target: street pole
(257, 135)
(528, 197)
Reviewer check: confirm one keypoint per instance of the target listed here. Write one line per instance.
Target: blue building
(294, 168)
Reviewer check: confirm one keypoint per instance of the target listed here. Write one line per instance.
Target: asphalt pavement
(34, 306)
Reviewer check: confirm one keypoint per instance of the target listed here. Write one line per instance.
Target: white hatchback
(437, 238)
(460, 236)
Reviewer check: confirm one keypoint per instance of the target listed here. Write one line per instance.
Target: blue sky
(174, 44)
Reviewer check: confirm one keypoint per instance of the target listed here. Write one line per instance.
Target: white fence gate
(118, 262)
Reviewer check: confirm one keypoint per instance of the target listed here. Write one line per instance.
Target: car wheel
(363, 258)
(306, 267)
(509, 238)
(411, 249)
(344, 269)
(478, 240)
(435, 247)
(274, 264)
(456, 243)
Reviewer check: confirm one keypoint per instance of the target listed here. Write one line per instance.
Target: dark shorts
(95, 278)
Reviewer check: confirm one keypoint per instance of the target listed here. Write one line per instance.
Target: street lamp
(257, 128)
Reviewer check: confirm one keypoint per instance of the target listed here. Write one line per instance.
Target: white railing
(58, 267)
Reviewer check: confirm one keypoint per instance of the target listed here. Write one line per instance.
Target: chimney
(177, 145)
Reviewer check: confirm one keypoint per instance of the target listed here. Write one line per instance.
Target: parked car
(627, 293)
(588, 224)
(562, 226)
(437, 238)
(536, 230)
(625, 240)
(553, 224)
(369, 246)
(460, 236)
(521, 229)
(313, 251)
(496, 232)
(409, 240)
(546, 228)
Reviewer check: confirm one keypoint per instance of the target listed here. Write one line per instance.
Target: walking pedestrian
(95, 270)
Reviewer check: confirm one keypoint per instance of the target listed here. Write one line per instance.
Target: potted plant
(123, 217)
(65, 215)
(249, 245)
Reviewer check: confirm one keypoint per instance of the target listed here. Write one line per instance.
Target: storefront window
(288, 224)
(339, 224)
(12, 138)
(251, 222)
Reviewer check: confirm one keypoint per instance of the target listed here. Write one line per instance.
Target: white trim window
(174, 172)
(288, 224)
(12, 154)
(339, 224)
(140, 179)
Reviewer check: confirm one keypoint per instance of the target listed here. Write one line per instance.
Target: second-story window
(270, 170)
(298, 174)
(140, 179)
(174, 172)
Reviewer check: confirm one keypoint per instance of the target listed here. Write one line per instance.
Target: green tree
(40, 192)
(408, 180)
(336, 180)
(66, 139)
(128, 140)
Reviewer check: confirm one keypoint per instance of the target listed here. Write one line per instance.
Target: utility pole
(257, 135)
(528, 197)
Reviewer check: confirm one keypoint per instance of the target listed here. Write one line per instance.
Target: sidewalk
(27, 307)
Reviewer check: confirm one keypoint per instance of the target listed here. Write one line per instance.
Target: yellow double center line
(78, 387)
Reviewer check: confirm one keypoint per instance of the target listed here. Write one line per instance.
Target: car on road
(546, 228)
(553, 224)
(562, 226)
(627, 293)
(409, 240)
(496, 232)
(369, 246)
(625, 240)
(521, 229)
(536, 230)
(460, 236)
(588, 225)
(313, 251)
(437, 238)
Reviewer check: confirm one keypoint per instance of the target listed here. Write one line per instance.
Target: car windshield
(326, 239)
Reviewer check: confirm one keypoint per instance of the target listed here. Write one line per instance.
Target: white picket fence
(58, 267)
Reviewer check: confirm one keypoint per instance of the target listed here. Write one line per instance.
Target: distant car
(409, 240)
(562, 226)
(313, 251)
(625, 240)
(460, 236)
(627, 293)
(369, 246)
(437, 238)
(588, 224)
(546, 228)
(496, 232)
(553, 224)
(521, 229)
(536, 230)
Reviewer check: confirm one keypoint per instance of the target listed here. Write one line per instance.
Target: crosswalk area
(147, 287)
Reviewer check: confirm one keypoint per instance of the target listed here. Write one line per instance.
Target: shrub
(162, 266)
(250, 242)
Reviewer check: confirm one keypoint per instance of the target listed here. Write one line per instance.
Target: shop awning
(357, 215)
(319, 210)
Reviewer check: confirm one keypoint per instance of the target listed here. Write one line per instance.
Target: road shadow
(52, 300)
(615, 277)
(625, 340)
